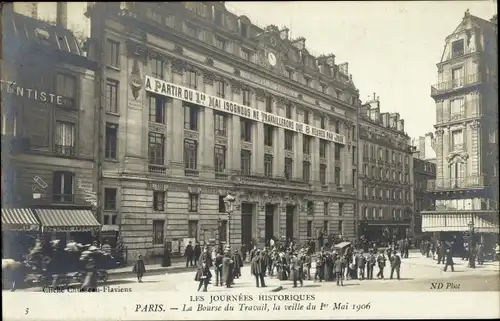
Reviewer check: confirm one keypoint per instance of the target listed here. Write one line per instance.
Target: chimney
(62, 14)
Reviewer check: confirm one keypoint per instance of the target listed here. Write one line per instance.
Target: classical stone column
(176, 123)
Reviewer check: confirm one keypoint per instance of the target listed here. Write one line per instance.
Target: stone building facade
(423, 172)
(197, 103)
(47, 117)
(385, 189)
(466, 96)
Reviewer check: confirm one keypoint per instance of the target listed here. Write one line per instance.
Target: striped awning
(66, 220)
(457, 222)
(19, 219)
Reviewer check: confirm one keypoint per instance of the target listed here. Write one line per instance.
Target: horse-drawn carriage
(59, 267)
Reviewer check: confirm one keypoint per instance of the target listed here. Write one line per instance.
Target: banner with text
(164, 88)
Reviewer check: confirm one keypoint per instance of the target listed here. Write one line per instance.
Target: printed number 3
(26, 311)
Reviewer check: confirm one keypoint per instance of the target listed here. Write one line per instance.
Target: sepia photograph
(226, 160)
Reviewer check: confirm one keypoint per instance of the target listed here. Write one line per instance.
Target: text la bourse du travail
(162, 87)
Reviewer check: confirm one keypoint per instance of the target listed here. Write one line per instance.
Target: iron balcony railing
(456, 183)
(454, 84)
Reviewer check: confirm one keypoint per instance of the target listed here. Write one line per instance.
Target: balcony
(469, 182)
(455, 84)
(64, 150)
(157, 169)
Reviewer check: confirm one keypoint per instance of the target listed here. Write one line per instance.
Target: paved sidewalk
(177, 266)
(416, 259)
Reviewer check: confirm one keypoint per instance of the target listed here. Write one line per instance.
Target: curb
(130, 274)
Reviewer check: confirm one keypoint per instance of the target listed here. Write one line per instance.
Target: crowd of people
(286, 261)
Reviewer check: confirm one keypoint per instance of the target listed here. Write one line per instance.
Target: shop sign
(11, 87)
(164, 88)
(70, 229)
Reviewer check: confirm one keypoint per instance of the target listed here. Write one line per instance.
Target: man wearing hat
(227, 269)
(395, 264)
(361, 264)
(381, 264)
(370, 261)
(339, 264)
(295, 270)
(256, 269)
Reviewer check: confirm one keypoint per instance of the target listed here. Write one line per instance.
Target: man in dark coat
(269, 262)
(139, 268)
(320, 262)
(370, 263)
(361, 264)
(306, 265)
(218, 269)
(227, 271)
(295, 272)
(256, 269)
(441, 253)
(381, 264)
(449, 260)
(339, 266)
(480, 254)
(238, 263)
(253, 252)
(395, 264)
(189, 254)
(204, 275)
(196, 253)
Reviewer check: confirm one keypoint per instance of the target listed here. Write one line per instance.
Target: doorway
(290, 221)
(246, 223)
(269, 231)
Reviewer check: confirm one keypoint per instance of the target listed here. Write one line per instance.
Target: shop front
(109, 235)
(66, 225)
(20, 228)
(384, 232)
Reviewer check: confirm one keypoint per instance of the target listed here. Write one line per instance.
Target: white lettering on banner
(162, 87)
(12, 88)
(266, 83)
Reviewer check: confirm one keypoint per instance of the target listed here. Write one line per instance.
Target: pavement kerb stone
(114, 275)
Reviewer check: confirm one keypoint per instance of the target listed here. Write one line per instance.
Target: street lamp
(229, 206)
(471, 235)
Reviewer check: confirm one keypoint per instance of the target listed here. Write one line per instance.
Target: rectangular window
(322, 148)
(325, 227)
(322, 174)
(246, 97)
(62, 187)
(191, 79)
(191, 30)
(220, 158)
(65, 138)
(306, 117)
(341, 227)
(218, 18)
(246, 130)
(354, 178)
(341, 209)
(190, 154)
(306, 171)
(309, 228)
(457, 140)
(354, 156)
(220, 88)
(288, 111)
(193, 202)
(158, 231)
(289, 140)
(268, 165)
(66, 87)
(288, 168)
(268, 135)
(156, 149)
(306, 145)
(223, 231)
(110, 199)
(222, 205)
(110, 219)
(307, 81)
(310, 207)
(244, 30)
(111, 141)
(157, 108)
(158, 201)
(269, 104)
(113, 53)
(246, 162)
(191, 116)
(193, 229)
(245, 54)
(337, 127)
(290, 73)
(323, 88)
(157, 68)
(457, 77)
(457, 48)
(323, 123)
(112, 96)
(325, 208)
(220, 121)
(338, 151)
(337, 176)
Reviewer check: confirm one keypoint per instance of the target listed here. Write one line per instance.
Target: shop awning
(19, 219)
(56, 220)
(458, 222)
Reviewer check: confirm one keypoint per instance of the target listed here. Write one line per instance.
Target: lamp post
(229, 206)
(471, 236)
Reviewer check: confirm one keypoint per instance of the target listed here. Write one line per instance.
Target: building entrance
(290, 221)
(246, 223)
(269, 232)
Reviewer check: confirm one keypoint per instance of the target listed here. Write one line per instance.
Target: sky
(392, 47)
